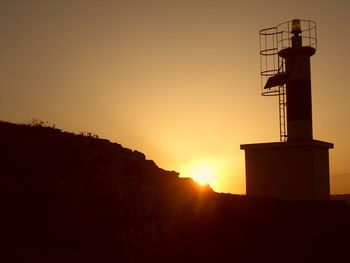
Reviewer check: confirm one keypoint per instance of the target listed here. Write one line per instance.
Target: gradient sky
(177, 80)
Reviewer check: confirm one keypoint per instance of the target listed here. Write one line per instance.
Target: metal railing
(272, 41)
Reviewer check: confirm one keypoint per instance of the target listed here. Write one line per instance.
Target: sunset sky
(176, 80)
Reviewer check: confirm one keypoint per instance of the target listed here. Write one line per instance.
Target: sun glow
(203, 174)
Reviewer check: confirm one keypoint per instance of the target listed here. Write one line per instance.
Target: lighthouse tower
(297, 167)
(298, 85)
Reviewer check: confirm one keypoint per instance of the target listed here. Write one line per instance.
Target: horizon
(195, 177)
(177, 81)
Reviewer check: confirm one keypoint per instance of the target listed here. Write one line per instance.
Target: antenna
(285, 52)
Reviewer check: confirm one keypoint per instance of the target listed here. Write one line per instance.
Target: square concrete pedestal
(294, 170)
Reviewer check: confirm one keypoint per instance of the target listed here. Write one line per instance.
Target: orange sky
(177, 80)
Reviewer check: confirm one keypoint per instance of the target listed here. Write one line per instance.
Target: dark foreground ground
(75, 198)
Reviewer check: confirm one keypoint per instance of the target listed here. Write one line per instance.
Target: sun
(203, 174)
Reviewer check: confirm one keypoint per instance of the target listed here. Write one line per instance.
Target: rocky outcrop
(77, 198)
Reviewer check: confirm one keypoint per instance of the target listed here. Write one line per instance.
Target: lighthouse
(298, 85)
(296, 167)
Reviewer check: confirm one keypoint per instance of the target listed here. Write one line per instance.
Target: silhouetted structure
(298, 166)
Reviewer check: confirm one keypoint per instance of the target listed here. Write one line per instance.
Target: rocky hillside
(76, 198)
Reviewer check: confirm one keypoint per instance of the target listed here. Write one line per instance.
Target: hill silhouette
(76, 198)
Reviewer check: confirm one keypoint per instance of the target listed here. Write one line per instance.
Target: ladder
(282, 112)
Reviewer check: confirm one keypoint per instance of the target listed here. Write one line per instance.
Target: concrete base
(294, 170)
